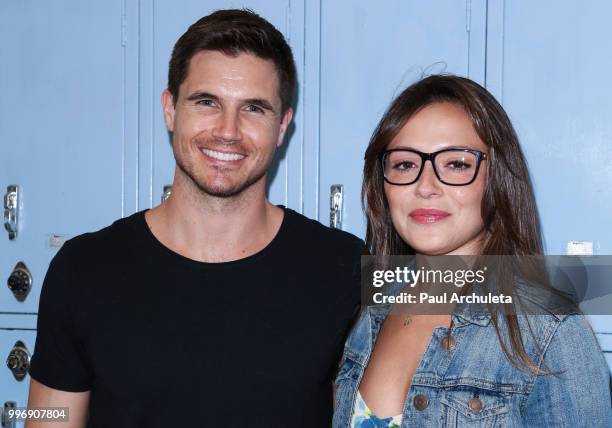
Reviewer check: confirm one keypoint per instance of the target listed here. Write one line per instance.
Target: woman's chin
(428, 245)
(431, 250)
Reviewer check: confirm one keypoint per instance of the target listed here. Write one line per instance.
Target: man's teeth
(222, 156)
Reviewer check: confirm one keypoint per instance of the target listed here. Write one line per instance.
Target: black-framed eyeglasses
(454, 167)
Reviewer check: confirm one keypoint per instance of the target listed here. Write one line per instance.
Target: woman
(444, 175)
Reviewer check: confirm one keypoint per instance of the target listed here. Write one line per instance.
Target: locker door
(370, 51)
(549, 64)
(167, 22)
(61, 128)
(62, 141)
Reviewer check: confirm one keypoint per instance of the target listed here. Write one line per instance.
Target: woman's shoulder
(540, 311)
(571, 333)
(579, 380)
(556, 341)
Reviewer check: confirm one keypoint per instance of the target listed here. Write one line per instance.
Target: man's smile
(223, 156)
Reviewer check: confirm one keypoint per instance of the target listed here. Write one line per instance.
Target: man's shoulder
(314, 233)
(113, 236)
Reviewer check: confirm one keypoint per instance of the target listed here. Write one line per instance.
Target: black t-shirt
(165, 341)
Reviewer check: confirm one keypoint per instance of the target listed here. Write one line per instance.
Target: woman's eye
(458, 165)
(404, 165)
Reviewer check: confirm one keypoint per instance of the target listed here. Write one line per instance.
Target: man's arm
(43, 396)
(60, 372)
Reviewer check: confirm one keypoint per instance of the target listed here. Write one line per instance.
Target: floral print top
(364, 418)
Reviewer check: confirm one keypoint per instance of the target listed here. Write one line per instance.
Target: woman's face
(432, 217)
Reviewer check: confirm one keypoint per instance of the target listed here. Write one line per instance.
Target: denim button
(448, 343)
(420, 402)
(475, 405)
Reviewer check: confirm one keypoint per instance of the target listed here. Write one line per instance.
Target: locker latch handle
(6, 421)
(11, 211)
(335, 205)
(167, 192)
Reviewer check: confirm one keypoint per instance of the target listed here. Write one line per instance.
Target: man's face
(227, 122)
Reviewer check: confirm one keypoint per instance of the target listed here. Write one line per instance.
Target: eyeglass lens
(453, 167)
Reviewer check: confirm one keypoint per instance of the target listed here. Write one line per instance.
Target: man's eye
(254, 109)
(205, 102)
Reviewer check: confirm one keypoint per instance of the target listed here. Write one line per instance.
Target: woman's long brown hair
(508, 208)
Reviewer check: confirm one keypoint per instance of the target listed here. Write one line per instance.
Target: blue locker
(548, 63)
(62, 130)
(63, 140)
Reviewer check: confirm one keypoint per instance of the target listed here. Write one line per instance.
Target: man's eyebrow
(201, 95)
(260, 102)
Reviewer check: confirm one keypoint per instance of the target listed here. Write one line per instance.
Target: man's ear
(168, 105)
(285, 122)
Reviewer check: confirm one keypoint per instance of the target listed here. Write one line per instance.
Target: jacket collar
(465, 314)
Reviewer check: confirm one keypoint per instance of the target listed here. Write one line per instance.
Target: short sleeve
(59, 360)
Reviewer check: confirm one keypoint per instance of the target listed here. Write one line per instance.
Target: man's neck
(212, 229)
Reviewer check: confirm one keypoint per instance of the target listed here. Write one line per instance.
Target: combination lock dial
(20, 281)
(18, 360)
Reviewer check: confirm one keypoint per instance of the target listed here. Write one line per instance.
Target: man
(216, 308)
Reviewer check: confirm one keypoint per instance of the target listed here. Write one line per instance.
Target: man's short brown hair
(232, 32)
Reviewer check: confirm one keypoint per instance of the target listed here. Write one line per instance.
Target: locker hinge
(123, 30)
(468, 15)
(288, 23)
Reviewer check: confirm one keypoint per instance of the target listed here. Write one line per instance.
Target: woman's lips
(428, 215)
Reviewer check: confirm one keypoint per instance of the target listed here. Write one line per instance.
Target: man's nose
(428, 184)
(227, 127)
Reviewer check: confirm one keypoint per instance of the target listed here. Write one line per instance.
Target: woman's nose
(428, 184)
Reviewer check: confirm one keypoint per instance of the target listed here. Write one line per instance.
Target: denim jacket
(473, 384)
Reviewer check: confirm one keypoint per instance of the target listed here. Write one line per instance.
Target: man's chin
(219, 185)
(221, 191)
(226, 188)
